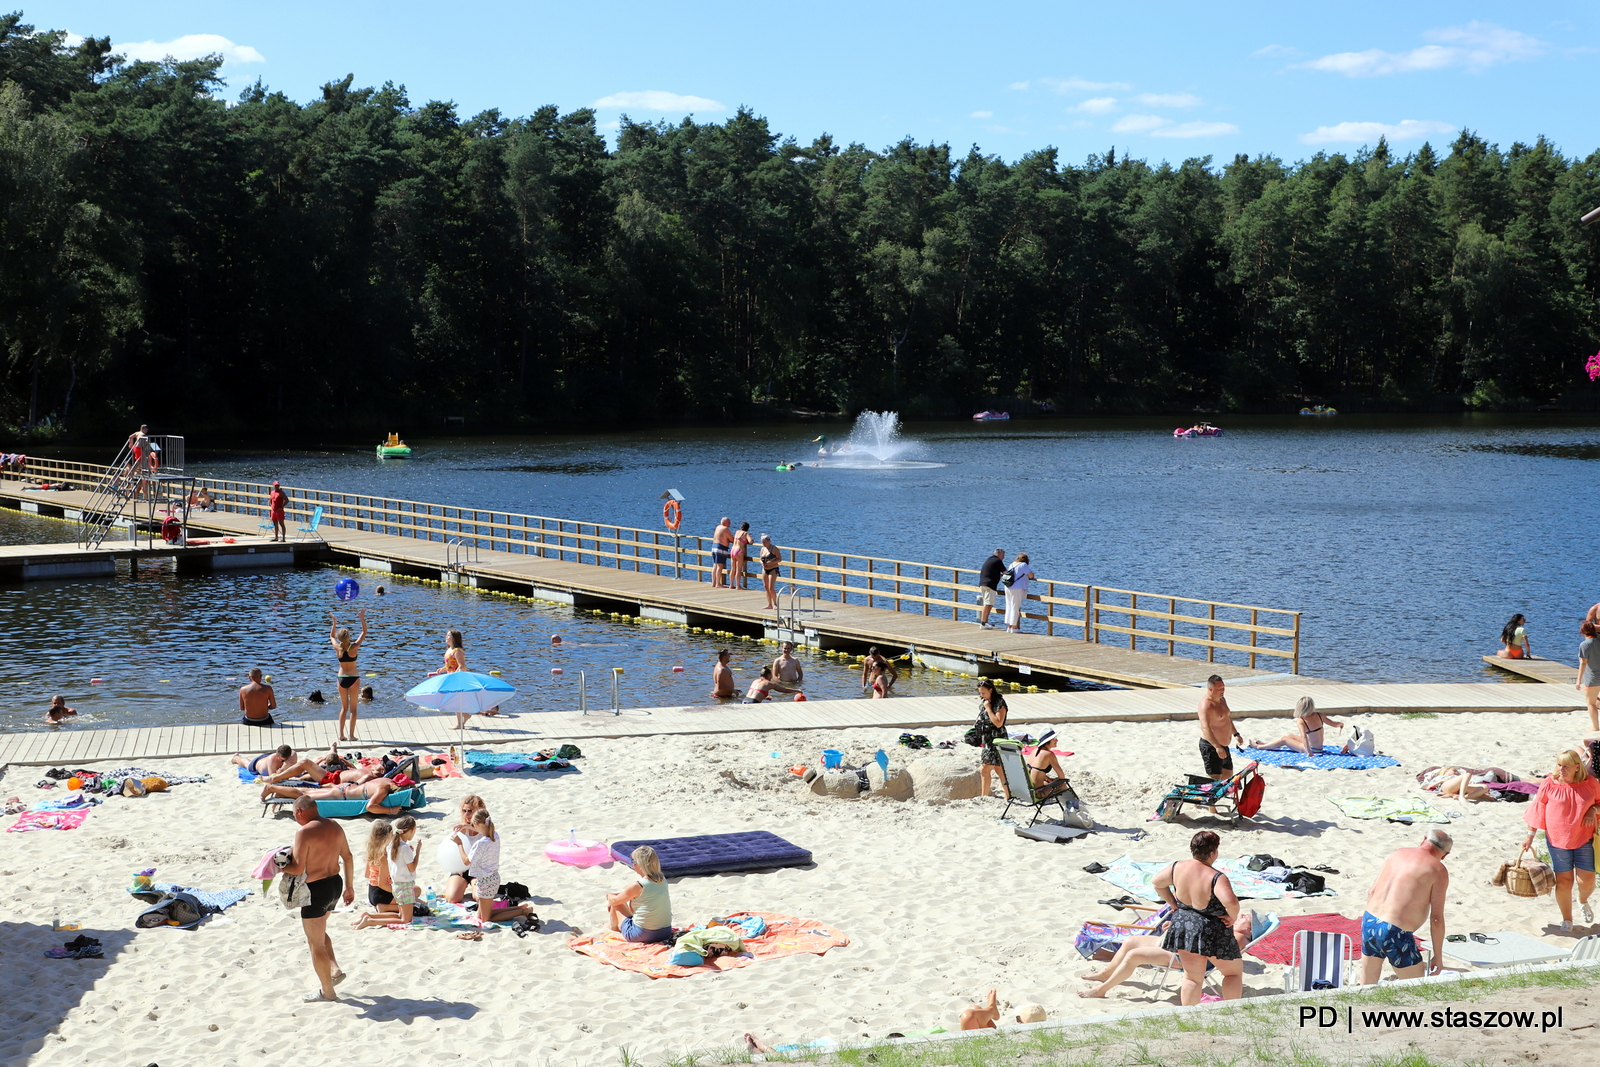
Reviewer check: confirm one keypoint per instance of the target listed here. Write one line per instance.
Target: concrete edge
(1167, 1010)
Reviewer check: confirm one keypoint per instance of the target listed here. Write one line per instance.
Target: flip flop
(470, 935)
(341, 976)
(317, 997)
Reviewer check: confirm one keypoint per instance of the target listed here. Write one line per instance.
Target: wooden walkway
(68, 746)
(1539, 670)
(933, 641)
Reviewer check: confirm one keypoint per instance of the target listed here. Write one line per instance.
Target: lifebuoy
(672, 514)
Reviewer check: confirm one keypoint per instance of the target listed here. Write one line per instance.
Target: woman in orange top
(1565, 809)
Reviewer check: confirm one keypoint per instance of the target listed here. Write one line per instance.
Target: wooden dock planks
(1551, 671)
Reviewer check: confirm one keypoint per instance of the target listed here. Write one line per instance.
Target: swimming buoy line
(672, 514)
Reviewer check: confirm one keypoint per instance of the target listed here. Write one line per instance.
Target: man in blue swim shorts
(1409, 890)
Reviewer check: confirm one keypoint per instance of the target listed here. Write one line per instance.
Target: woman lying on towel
(1463, 783)
(1308, 738)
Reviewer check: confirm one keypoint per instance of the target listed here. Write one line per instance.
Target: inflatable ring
(578, 852)
(672, 514)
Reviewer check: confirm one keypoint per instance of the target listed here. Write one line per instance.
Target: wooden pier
(1537, 670)
(829, 599)
(71, 747)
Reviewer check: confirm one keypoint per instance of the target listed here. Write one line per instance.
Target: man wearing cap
(277, 505)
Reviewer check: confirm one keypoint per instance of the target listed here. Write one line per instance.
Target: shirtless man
(787, 669)
(1409, 889)
(320, 848)
(722, 677)
(375, 792)
(278, 765)
(256, 701)
(721, 553)
(761, 689)
(878, 673)
(1216, 732)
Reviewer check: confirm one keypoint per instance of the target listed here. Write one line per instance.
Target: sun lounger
(1232, 797)
(1019, 784)
(347, 809)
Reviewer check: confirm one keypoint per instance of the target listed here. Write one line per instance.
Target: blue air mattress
(718, 853)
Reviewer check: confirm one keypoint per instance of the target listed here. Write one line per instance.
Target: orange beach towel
(785, 936)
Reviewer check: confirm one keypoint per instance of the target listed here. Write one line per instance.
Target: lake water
(1406, 541)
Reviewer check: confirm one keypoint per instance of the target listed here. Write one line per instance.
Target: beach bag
(179, 909)
(975, 737)
(1250, 796)
(1305, 882)
(1006, 578)
(1361, 743)
(1261, 861)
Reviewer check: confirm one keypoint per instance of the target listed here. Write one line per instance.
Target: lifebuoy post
(672, 515)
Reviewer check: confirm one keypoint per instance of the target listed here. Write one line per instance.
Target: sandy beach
(941, 901)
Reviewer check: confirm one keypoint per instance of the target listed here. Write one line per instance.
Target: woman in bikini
(455, 659)
(741, 554)
(771, 560)
(1201, 934)
(1309, 738)
(1045, 772)
(349, 674)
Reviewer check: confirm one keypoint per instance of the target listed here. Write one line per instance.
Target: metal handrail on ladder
(459, 557)
(117, 486)
(794, 592)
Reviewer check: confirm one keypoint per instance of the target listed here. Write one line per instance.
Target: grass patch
(1407, 716)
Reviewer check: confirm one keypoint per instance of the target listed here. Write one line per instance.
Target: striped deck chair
(1317, 961)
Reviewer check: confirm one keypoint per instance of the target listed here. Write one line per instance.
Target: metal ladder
(106, 501)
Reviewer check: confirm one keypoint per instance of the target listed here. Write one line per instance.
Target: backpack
(1250, 797)
(1305, 882)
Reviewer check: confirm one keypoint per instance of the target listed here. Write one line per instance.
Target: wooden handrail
(844, 575)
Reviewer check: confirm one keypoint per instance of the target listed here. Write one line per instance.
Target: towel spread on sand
(76, 802)
(514, 761)
(210, 903)
(1136, 877)
(447, 769)
(1329, 759)
(785, 936)
(1405, 809)
(48, 820)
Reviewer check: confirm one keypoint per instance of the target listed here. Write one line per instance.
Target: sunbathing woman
(1044, 767)
(1309, 737)
(349, 674)
(373, 792)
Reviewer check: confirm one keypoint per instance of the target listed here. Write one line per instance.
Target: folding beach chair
(1586, 948)
(1235, 798)
(1317, 961)
(1020, 786)
(310, 531)
(1260, 926)
(1100, 940)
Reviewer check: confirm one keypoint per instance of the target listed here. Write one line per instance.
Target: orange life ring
(672, 514)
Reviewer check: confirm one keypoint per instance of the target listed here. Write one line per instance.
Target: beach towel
(785, 935)
(210, 903)
(1404, 809)
(246, 775)
(511, 762)
(77, 802)
(48, 820)
(1135, 877)
(1278, 946)
(1329, 759)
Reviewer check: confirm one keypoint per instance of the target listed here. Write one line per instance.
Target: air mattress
(718, 853)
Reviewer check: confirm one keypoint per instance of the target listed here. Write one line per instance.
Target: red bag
(1250, 797)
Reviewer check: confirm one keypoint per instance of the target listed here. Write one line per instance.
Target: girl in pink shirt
(1565, 809)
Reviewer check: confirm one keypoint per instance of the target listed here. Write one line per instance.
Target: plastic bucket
(831, 758)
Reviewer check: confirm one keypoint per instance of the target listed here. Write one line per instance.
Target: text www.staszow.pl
(1436, 1019)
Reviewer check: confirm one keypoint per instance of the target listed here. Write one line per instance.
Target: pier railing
(1097, 614)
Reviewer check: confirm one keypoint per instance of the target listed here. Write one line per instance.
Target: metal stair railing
(106, 501)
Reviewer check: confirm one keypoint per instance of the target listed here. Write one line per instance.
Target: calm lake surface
(1407, 542)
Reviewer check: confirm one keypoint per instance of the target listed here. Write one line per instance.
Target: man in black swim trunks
(1216, 731)
(320, 848)
(256, 701)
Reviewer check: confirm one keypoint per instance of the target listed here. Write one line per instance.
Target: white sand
(942, 901)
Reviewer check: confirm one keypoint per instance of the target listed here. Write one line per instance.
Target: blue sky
(1158, 80)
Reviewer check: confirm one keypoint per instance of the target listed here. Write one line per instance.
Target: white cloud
(981, 115)
(1169, 99)
(1369, 132)
(1138, 123)
(1276, 50)
(190, 46)
(1196, 129)
(1019, 86)
(1079, 85)
(659, 100)
(1100, 105)
(1477, 46)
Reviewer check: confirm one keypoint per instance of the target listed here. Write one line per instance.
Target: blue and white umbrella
(462, 693)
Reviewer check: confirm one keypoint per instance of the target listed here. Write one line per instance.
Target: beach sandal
(1096, 868)
(470, 935)
(341, 976)
(1121, 902)
(317, 997)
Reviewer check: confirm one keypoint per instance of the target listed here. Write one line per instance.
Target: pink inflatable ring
(578, 853)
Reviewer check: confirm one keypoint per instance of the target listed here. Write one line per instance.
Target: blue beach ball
(346, 589)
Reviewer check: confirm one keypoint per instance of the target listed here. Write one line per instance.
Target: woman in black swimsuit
(1202, 934)
(349, 674)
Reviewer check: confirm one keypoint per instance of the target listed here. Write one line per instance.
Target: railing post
(927, 591)
(1172, 624)
(1296, 659)
(1088, 621)
(1133, 620)
(1253, 616)
(1211, 635)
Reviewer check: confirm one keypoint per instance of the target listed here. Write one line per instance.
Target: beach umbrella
(462, 693)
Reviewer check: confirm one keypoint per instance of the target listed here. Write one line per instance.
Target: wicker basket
(1519, 880)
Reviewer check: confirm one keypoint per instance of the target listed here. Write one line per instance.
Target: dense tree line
(263, 264)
